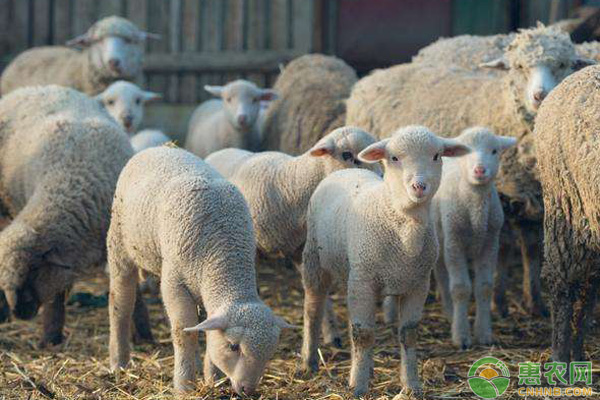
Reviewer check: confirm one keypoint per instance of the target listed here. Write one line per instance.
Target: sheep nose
(242, 119)
(128, 121)
(419, 188)
(539, 95)
(479, 171)
(114, 64)
(243, 388)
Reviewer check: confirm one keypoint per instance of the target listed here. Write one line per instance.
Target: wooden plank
(5, 21)
(303, 25)
(190, 36)
(137, 12)
(279, 25)
(62, 21)
(256, 34)
(40, 21)
(84, 16)
(226, 61)
(106, 8)
(19, 27)
(175, 10)
(233, 31)
(212, 38)
(158, 22)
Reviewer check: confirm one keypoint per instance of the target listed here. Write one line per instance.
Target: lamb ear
(452, 148)
(498, 63)
(268, 95)
(214, 90)
(151, 96)
(506, 141)
(323, 147)
(148, 35)
(218, 322)
(83, 40)
(375, 152)
(283, 324)
(581, 62)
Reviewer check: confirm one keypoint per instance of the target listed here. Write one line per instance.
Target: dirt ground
(78, 368)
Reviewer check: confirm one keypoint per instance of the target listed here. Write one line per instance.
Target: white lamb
(176, 217)
(231, 121)
(376, 236)
(147, 138)
(469, 218)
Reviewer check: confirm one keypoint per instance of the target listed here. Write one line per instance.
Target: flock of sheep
(358, 192)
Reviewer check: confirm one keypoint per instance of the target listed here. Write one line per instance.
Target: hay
(78, 369)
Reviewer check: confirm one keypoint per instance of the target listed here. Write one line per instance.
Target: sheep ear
(268, 95)
(322, 148)
(506, 141)
(375, 152)
(581, 63)
(216, 323)
(214, 90)
(452, 148)
(151, 96)
(498, 63)
(283, 324)
(80, 41)
(148, 35)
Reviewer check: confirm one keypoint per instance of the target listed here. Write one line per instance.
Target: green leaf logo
(489, 378)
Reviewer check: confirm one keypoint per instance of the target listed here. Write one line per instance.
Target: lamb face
(480, 167)
(125, 102)
(413, 163)
(241, 342)
(242, 102)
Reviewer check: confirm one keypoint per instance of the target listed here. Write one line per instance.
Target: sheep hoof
(52, 339)
(360, 391)
(337, 342)
(310, 366)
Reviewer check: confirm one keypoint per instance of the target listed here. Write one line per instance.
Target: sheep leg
(442, 281)
(562, 314)
(53, 320)
(460, 290)
(362, 308)
(409, 315)
(211, 372)
(4, 308)
(582, 317)
(390, 309)
(141, 319)
(182, 312)
(529, 237)
(484, 275)
(121, 300)
(500, 304)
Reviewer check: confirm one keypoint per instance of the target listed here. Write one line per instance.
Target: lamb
(467, 206)
(377, 237)
(198, 238)
(112, 49)
(450, 100)
(147, 138)
(231, 121)
(313, 90)
(589, 50)
(568, 148)
(278, 187)
(60, 157)
(125, 102)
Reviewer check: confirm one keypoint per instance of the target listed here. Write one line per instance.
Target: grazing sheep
(589, 50)
(112, 49)
(231, 121)
(198, 238)
(376, 236)
(278, 187)
(313, 89)
(568, 148)
(147, 138)
(449, 100)
(125, 102)
(60, 157)
(467, 206)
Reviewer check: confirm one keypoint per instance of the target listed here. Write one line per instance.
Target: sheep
(231, 121)
(467, 205)
(198, 238)
(567, 142)
(313, 89)
(278, 187)
(125, 102)
(589, 50)
(147, 138)
(112, 49)
(376, 236)
(60, 157)
(450, 100)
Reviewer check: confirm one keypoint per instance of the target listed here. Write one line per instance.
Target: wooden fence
(203, 41)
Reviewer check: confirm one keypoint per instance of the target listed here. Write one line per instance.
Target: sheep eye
(436, 157)
(110, 102)
(494, 151)
(394, 158)
(347, 156)
(228, 99)
(138, 101)
(255, 100)
(357, 162)
(234, 347)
